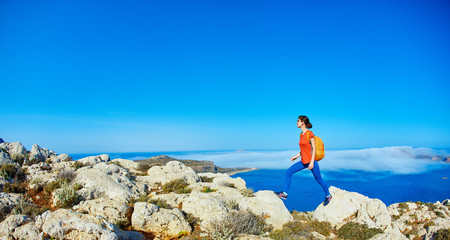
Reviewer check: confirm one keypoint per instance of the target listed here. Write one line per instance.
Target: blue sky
(117, 76)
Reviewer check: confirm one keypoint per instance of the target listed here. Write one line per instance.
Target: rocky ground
(49, 196)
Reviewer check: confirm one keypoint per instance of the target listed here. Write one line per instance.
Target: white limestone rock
(39, 153)
(11, 222)
(149, 217)
(8, 201)
(223, 179)
(267, 204)
(67, 224)
(208, 207)
(92, 160)
(130, 165)
(440, 223)
(172, 199)
(60, 158)
(351, 206)
(28, 232)
(107, 180)
(173, 170)
(393, 233)
(113, 211)
(14, 148)
(5, 159)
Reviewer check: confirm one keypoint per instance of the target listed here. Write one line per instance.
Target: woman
(307, 154)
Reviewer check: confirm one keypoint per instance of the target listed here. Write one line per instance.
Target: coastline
(242, 171)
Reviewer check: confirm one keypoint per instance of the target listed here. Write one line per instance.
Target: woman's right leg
(293, 169)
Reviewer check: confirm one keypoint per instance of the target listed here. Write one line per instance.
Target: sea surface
(306, 194)
(391, 174)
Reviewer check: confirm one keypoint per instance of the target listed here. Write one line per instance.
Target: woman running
(307, 154)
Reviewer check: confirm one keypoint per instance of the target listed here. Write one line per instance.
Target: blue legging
(300, 166)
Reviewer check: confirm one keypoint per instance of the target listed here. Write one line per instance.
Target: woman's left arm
(313, 153)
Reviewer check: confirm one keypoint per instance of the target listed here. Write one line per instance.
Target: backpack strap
(308, 137)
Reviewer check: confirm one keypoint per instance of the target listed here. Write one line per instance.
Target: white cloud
(400, 160)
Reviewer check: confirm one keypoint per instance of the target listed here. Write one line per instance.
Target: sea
(391, 174)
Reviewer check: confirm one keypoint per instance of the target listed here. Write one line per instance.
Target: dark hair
(305, 120)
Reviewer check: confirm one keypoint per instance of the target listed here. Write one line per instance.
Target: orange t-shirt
(305, 147)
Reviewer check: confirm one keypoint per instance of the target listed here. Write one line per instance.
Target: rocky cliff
(50, 196)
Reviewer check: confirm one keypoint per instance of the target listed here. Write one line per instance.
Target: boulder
(40, 153)
(267, 204)
(67, 224)
(131, 166)
(5, 159)
(11, 222)
(223, 179)
(28, 232)
(107, 180)
(351, 206)
(92, 160)
(8, 201)
(14, 148)
(60, 158)
(440, 223)
(173, 170)
(113, 211)
(40, 173)
(208, 207)
(393, 233)
(149, 217)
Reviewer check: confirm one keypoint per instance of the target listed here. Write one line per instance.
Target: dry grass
(248, 192)
(239, 222)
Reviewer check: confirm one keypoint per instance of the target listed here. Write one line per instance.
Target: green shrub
(68, 175)
(8, 171)
(412, 232)
(19, 187)
(122, 223)
(206, 179)
(29, 209)
(305, 226)
(34, 161)
(77, 165)
(248, 192)
(37, 180)
(19, 158)
(442, 234)
(403, 206)
(287, 234)
(143, 198)
(429, 224)
(439, 214)
(160, 203)
(431, 206)
(179, 186)
(352, 230)
(191, 219)
(52, 186)
(208, 190)
(67, 196)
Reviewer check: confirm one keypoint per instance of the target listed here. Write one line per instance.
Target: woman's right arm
(295, 157)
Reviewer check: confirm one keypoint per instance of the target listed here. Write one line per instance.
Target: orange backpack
(320, 149)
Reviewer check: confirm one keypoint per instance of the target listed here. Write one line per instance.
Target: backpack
(320, 149)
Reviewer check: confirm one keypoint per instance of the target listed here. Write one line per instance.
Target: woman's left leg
(318, 177)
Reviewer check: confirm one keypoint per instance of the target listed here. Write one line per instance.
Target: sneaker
(327, 200)
(281, 195)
